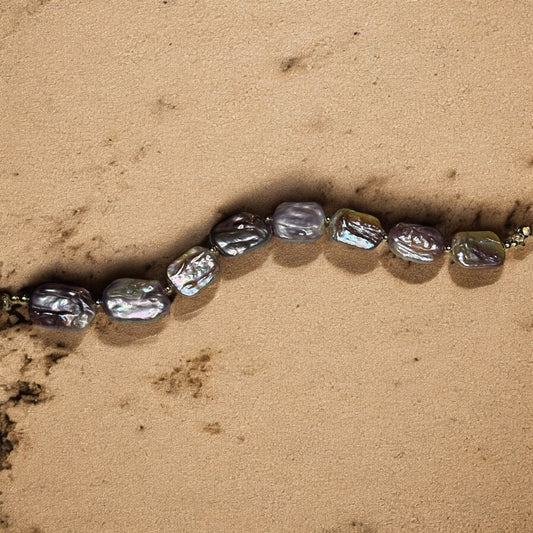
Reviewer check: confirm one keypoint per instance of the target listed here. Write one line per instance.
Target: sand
(314, 388)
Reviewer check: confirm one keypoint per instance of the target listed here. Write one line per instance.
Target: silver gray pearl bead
(298, 221)
(135, 300)
(240, 234)
(193, 270)
(416, 243)
(59, 306)
(477, 249)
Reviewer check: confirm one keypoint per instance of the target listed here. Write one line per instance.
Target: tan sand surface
(314, 388)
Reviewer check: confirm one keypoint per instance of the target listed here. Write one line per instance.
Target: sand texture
(313, 388)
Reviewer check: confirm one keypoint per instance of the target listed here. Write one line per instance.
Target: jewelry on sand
(66, 307)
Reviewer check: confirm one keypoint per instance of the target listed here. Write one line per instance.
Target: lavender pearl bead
(240, 234)
(58, 306)
(416, 243)
(135, 300)
(298, 221)
(193, 270)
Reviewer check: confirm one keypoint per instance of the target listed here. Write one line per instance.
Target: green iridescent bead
(355, 229)
(477, 249)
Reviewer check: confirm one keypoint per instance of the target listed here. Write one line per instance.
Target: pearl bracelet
(65, 307)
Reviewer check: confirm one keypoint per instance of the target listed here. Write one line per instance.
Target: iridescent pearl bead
(135, 300)
(298, 221)
(240, 234)
(58, 306)
(477, 249)
(193, 270)
(416, 243)
(355, 229)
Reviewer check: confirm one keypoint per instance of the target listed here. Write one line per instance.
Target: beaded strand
(66, 307)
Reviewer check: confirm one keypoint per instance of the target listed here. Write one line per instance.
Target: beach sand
(313, 388)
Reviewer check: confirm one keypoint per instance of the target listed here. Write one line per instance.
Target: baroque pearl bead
(193, 270)
(477, 249)
(355, 229)
(416, 243)
(135, 300)
(59, 306)
(298, 221)
(240, 234)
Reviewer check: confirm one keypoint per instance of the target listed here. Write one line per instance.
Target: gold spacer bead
(168, 290)
(8, 301)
